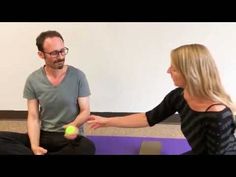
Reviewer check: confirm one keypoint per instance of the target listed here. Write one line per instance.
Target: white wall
(125, 63)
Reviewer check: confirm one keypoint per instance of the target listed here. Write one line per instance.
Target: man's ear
(41, 54)
(234, 108)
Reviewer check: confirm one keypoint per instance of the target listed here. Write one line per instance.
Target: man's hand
(39, 150)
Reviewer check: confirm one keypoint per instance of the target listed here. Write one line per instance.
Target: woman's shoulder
(177, 91)
(175, 96)
(216, 107)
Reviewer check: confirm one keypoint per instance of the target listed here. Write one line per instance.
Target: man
(57, 96)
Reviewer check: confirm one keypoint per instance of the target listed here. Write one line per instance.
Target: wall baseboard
(22, 115)
(13, 115)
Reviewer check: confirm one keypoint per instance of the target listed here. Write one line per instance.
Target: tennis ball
(71, 130)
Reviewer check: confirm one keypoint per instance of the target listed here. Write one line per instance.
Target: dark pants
(18, 144)
(188, 153)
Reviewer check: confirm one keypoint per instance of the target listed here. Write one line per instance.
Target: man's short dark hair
(46, 34)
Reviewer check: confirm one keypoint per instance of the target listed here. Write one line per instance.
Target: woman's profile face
(176, 76)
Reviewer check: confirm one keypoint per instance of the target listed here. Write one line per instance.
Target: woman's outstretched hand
(97, 121)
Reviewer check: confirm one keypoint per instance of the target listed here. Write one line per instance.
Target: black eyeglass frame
(56, 53)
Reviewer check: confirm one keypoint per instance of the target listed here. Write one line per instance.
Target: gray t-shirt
(58, 104)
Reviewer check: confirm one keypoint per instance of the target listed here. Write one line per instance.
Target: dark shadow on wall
(16, 115)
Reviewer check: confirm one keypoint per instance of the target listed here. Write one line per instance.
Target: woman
(205, 109)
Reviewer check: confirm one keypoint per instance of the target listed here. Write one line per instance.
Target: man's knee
(86, 146)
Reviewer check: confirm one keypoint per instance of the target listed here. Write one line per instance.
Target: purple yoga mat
(124, 145)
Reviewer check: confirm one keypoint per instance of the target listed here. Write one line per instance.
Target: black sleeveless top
(207, 132)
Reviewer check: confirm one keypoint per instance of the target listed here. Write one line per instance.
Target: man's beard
(57, 63)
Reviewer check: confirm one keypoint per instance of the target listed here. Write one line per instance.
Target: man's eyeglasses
(56, 53)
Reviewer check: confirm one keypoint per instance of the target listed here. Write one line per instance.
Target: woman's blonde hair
(200, 72)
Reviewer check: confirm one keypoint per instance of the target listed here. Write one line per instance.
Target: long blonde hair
(200, 72)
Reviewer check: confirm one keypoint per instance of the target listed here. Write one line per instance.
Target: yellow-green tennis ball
(71, 130)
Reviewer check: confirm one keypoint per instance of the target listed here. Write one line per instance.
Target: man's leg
(56, 143)
(13, 143)
(79, 146)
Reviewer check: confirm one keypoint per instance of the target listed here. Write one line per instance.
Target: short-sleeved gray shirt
(58, 104)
